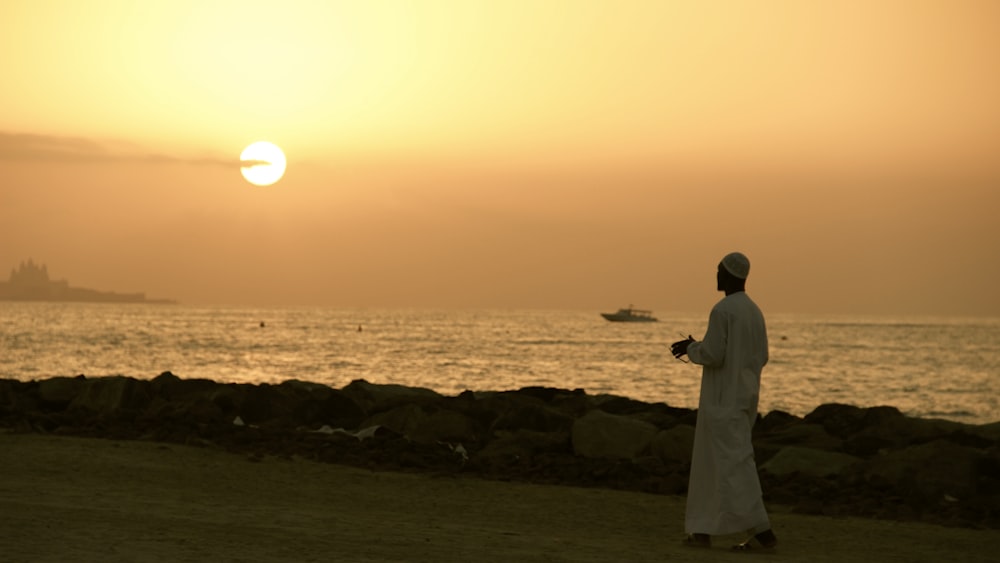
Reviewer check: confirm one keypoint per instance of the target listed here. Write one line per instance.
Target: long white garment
(724, 494)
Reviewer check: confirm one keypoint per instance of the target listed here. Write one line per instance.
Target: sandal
(698, 540)
(765, 540)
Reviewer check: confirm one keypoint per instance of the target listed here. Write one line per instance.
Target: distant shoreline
(31, 282)
(112, 298)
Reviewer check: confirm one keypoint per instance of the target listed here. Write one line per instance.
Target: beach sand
(81, 499)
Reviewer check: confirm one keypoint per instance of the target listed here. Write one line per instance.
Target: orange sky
(553, 154)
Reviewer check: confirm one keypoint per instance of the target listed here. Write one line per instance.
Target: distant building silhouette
(30, 282)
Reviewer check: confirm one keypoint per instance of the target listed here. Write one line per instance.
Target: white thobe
(724, 494)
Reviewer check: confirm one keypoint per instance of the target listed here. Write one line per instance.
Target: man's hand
(680, 347)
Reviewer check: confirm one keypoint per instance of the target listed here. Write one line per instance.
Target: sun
(263, 163)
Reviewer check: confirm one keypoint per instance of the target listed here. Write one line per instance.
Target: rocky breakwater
(838, 460)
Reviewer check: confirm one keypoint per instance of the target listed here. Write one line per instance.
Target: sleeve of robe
(711, 351)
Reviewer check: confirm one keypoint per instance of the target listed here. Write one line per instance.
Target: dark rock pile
(838, 460)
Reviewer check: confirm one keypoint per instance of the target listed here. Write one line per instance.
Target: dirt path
(82, 499)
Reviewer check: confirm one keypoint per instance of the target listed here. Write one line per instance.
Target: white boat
(630, 315)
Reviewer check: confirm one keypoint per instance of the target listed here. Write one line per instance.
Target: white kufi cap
(737, 264)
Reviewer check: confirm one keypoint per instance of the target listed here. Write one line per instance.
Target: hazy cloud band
(52, 148)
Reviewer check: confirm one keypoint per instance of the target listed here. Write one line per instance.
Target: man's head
(733, 272)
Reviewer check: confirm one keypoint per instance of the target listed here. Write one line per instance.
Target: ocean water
(929, 367)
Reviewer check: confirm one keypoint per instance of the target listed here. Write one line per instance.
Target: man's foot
(698, 540)
(762, 540)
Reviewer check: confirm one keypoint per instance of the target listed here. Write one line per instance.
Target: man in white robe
(724, 494)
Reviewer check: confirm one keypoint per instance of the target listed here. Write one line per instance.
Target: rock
(114, 395)
(472, 405)
(171, 387)
(660, 415)
(808, 461)
(446, 426)
(674, 444)
(229, 397)
(520, 446)
(930, 471)
(898, 432)
(970, 438)
(8, 395)
(866, 445)
(775, 420)
(14, 397)
(806, 435)
(989, 431)
(844, 420)
(532, 416)
(426, 425)
(544, 394)
(257, 404)
(56, 393)
(575, 404)
(403, 420)
(372, 397)
(290, 404)
(306, 388)
(189, 413)
(601, 435)
(339, 410)
(614, 404)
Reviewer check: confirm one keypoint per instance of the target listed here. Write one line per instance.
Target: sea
(930, 367)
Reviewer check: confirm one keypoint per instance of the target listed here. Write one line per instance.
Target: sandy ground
(76, 499)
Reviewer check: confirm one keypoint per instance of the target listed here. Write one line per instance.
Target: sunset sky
(515, 154)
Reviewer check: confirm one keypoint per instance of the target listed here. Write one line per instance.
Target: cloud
(24, 146)
(53, 148)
